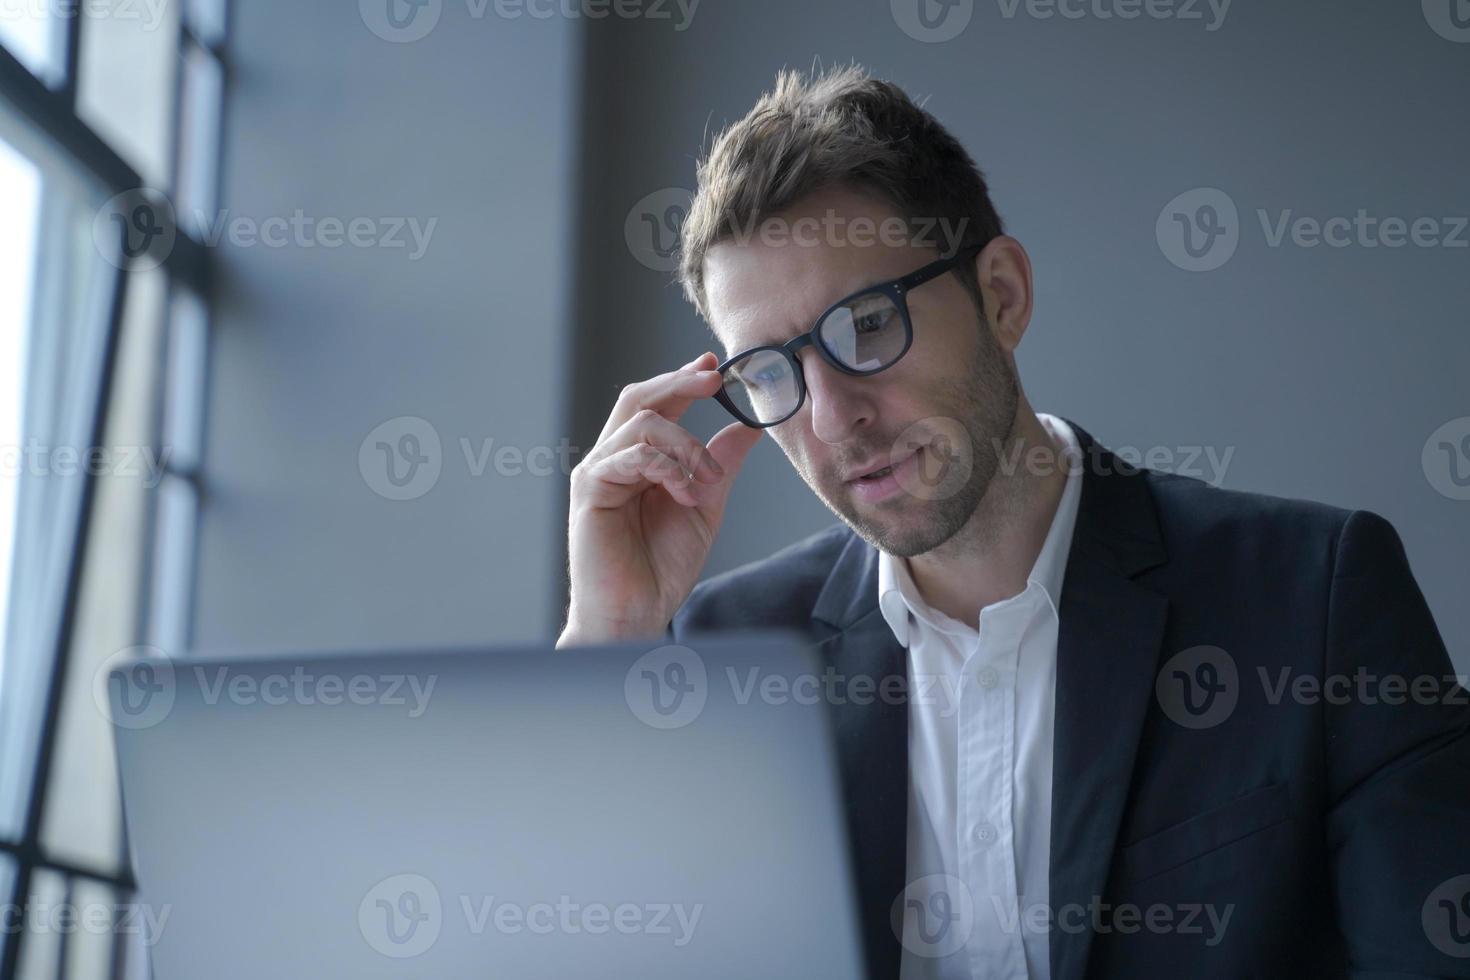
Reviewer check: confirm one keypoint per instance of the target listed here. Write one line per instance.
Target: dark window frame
(53, 111)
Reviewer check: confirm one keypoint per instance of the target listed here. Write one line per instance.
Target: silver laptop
(637, 811)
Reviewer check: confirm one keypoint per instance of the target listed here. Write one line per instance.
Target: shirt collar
(898, 596)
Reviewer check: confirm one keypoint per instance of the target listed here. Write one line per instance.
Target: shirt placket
(984, 797)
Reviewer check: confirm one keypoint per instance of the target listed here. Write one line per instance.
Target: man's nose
(840, 403)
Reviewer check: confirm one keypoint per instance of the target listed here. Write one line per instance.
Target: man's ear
(1003, 270)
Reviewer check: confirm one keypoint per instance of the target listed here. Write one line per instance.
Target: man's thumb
(730, 446)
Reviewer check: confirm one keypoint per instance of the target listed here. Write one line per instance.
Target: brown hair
(838, 127)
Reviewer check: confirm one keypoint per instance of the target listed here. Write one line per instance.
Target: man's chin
(900, 526)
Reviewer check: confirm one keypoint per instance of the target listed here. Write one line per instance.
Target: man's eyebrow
(775, 341)
(797, 331)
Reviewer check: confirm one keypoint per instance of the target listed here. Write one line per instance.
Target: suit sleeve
(1398, 766)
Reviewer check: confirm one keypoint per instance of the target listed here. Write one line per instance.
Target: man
(1149, 727)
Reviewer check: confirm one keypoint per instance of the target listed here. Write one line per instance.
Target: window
(105, 109)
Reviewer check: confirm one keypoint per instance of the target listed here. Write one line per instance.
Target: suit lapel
(872, 743)
(1107, 654)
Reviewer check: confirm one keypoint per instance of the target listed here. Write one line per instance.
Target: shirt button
(987, 677)
(986, 833)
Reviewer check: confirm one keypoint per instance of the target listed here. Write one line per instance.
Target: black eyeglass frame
(895, 289)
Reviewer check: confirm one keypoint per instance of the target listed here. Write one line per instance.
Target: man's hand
(646, 504)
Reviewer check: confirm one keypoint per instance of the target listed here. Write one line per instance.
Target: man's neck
(989, 559)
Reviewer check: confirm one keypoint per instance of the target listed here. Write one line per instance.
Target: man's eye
(770, 375)
(871, 322)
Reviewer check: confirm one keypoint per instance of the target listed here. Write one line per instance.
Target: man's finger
(668, 394)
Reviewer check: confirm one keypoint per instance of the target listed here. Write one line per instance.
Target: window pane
(184, 408)
(83, 815)
(206, 19)
(39, 937)
(56, 322)
(125, 80)
(134, 947)
(19, 210)
(32, 31)
(177, 504)
(104, 918)
(8, 918)
(173, 565)
(198, 138)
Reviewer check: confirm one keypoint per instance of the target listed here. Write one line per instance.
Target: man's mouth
(886, 481)
(877, 474)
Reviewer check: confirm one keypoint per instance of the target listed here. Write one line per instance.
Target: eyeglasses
(859, 335)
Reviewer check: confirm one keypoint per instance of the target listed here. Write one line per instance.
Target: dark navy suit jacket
(1193, 764)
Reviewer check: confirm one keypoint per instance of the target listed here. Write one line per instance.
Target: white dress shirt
(981, 708)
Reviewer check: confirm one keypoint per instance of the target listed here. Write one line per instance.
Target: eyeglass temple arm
(937, 268)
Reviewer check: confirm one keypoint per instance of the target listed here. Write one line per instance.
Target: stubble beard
(984, 402)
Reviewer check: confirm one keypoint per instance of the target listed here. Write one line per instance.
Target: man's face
(939, 415)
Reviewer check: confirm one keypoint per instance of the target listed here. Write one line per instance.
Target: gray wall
(473, 125)
(1322, 371)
